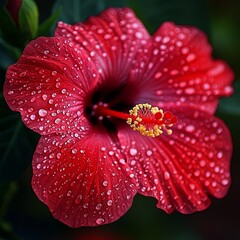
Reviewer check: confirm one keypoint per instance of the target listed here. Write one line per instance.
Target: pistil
(149, 121)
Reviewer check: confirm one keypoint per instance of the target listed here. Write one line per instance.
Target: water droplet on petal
(42, 112)
(166, 175)
(74, 151)
(85, 205)
(32, 117)
(157, 75)
(133, 151)
(44, 96)
(189, 91)
(122, 161)
(100, 221)
(139, 35)
(149, 153)
(225, 182)
(190, 128)
(219, 154)
(109, 202)
(99, 206)
(22, 74)
(105, 183)
(190, 57)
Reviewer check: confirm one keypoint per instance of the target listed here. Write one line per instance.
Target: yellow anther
(150, 121)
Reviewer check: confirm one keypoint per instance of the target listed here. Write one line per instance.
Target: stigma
(151, 121)
(148, 120)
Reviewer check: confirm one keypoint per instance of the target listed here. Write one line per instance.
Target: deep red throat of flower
(76, 90)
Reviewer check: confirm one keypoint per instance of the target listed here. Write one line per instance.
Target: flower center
(149, 121)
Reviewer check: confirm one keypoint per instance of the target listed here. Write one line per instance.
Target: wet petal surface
(111, 39)
(180, 170)
(176, 68)
(48, 85)
(84, 182)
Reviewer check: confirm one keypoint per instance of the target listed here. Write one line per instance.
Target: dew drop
(99, 206)
(225, 182)
(122, 161)
(32, 117)
(42, 112)
(10, 92)
(111, 153)
(133, 162)
(174, 72)
(202, 163)
(189, 91)
(44, 97)
(131, 175)
(92, 53)
(166, 175)
(133, 151)
(192, 186)
(100, 221)
(185, 50)
(109, 202)
(157, 75)
(54, 73)
(190, 57)
(74, 151)
(39, 166)
(190, 128)
(85, 205)
(157, 38)
(46, 51)
(149, 153)
(139, 35)
(57, 120)
(105, 183)
(22, 74)
(166, 39)
(219, 154)
(156, 181)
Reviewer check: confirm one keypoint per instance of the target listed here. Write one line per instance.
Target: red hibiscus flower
(76, 88)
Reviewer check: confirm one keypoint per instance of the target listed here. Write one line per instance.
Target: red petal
(111, 39)
(48, 85)
(84, 182)
(176, 67)
(181, 169)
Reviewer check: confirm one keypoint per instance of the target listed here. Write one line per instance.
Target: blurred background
(23, 216)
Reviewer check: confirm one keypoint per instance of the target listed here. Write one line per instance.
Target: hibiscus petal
(180, 170)
(84, 182)
(48, 85)
(112, 39)
(176, 67)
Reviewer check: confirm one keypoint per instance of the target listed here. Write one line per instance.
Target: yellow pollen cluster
(145, 122)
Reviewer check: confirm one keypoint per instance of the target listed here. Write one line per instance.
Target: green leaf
(28, 18)
(48, 23)
(8, 27)
(186, 12)
(9, 54)
(17, 144)
(78, 10)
